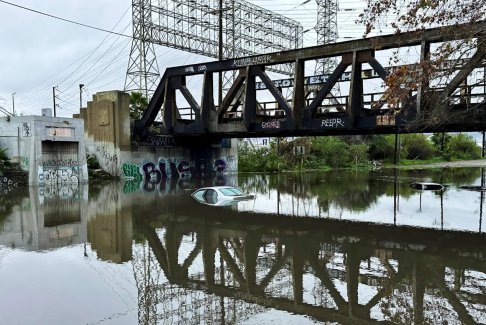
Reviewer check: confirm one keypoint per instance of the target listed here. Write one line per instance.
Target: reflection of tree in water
(355, 190)
(451, 176)
(256, 183)
(11, 199)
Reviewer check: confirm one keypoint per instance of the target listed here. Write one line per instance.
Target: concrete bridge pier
(162, 157)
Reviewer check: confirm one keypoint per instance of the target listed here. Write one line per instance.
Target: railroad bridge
(259, 104)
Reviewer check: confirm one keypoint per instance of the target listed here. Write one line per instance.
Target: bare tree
(443, 68)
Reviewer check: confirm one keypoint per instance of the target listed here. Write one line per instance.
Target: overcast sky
(39, 52)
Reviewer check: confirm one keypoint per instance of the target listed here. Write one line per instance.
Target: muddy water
(337, 248)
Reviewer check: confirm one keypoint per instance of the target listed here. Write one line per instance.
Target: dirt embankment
(462, 163)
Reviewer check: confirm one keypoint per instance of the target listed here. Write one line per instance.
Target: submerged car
(220, 195)
(423, 186)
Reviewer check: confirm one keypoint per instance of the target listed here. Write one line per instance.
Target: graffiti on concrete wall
(59, 175)
(26, 129)
(60, 162)
(6, 184)
(131, 171)
(170, 172)
(24, 162)
(161, 141)
(177, 168)
(105, 157)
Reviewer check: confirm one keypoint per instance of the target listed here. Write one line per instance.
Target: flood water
(340, 247)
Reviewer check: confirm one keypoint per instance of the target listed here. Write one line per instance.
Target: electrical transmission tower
(193, 26)
(143, 71)
(326, 29)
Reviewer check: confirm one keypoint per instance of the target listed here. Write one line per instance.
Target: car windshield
(199, 195)
(231, 191)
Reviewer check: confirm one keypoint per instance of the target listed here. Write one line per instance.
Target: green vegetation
(463, 147)
(322, 153)
(138, 104)
(92, 162)
(4, 161)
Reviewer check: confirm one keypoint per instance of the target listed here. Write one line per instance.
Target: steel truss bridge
(312, 108)
(415, 273)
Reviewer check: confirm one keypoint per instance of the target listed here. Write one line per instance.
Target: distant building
(51, 149)
(257, 142)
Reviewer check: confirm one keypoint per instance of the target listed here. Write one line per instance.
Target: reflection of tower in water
(174, 301)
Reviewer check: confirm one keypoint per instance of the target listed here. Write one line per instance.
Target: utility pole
(54, 99)
(13, 104)
(80, 96)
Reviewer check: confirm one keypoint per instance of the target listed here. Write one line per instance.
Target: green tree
(416, 146)
(335, 152)
(257, 159)
(331, 150)
(441, 141)
(358, 154)
(138, 104)
(381, 147)
(463, 147)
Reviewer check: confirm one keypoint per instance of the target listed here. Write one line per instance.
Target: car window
(211, 196)
(231, 191)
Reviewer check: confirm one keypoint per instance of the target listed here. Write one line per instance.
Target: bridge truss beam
(241, 114)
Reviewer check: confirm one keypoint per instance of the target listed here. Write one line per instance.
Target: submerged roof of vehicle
(215, 187)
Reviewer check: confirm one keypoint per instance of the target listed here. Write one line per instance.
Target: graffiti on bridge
(60, 175)
(163, 141)
(6, 184)
(175, 168)
(105, 157)
(60, 162)
(24, 162)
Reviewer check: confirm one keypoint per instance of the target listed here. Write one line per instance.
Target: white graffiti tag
(332, 123)
(263, 59)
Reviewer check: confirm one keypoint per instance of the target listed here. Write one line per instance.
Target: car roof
(215, 187)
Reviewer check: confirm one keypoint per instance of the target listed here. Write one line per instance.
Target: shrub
(331, 150)
(257, 159)
(4, 161)
(463, 146)
(92, 162)
(416, 146)
(381, 147)
(358, 154)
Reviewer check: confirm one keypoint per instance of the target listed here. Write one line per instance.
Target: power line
(64, 19)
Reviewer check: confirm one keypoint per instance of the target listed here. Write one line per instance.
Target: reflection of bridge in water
(332, 271)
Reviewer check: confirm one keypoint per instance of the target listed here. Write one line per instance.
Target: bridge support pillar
(161, 158)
